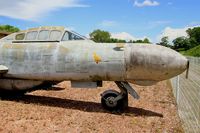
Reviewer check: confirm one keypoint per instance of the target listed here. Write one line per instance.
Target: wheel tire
(119, 106)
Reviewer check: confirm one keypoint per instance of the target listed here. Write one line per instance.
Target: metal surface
(3, 69)
(64, 61)
(78, 84)
(125, 87)
(85, 60)
(14, 84)
(153, 62)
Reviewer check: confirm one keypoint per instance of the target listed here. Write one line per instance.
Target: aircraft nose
(153, 62)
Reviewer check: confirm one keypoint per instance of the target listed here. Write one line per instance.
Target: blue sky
(125, 19)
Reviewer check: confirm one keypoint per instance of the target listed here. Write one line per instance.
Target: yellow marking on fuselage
(120, 45)
(7, 46)
(18, 46)
(51, 46)
(96, 57)
(63, 50)
(13, 46)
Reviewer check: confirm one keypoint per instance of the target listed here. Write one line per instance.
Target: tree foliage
(184, 43)
(193, 52)
(105, 37)
(146, 40)
(114, 40)
(100, 36)
(165, 42)
(8, 28)
(194, 35)
(181, 44)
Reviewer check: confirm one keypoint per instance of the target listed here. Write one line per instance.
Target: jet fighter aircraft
(44, 56)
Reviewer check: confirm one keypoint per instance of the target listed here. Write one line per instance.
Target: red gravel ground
(79, 110)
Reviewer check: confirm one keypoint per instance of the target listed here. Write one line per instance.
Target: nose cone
(153, 62)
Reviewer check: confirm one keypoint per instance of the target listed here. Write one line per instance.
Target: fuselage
(57, 54)
(41, 57)
(88, 61)
(71, 60)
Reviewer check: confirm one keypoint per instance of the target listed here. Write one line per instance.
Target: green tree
(105, 37)
(181, 44)
(139, 41)
(100, 36)
(165, 42)
(8, 28)
(194, 35)
(192, 42)
(114, 40)
(146, 40)
(131, 41)
(185, 43)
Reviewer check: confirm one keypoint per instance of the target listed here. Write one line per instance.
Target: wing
(3, 69)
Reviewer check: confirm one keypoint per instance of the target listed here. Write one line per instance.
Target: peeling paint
(18, 55)
(96, 57)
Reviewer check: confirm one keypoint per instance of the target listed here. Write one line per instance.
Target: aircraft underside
(111, 100)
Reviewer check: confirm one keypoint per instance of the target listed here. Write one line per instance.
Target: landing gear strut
(118, 101)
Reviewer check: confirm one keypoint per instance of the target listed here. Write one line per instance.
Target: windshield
(71, 36)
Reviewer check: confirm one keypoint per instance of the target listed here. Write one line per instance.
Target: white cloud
(34, 9)
(154, 24)
(125, 36)
(108, 23)
(160, 22)
(71, 28)
(173, 33)
(194, 24)
(146, 3)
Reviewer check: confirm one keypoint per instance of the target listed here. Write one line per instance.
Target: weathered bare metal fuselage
(88, 61)
(72, 60)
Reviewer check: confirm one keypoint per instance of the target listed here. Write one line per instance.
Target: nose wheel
(114, 101)
(118, 101)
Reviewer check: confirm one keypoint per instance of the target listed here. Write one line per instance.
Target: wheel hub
(110, 102)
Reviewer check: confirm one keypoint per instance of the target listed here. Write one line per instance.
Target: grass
(192, 52)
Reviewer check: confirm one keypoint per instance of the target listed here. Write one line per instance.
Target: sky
(124, 19)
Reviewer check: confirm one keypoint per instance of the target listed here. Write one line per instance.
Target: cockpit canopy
(44, 34)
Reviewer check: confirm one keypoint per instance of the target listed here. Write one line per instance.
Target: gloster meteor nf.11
(45, 56)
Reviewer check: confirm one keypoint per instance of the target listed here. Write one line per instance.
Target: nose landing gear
(115, 101)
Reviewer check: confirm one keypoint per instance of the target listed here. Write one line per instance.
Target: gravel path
(79, 110)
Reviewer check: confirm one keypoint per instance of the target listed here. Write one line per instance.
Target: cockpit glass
(20, 36)
(55, 35)
(31, 35)
(70, 36)
(66, 36)
(43, 35)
